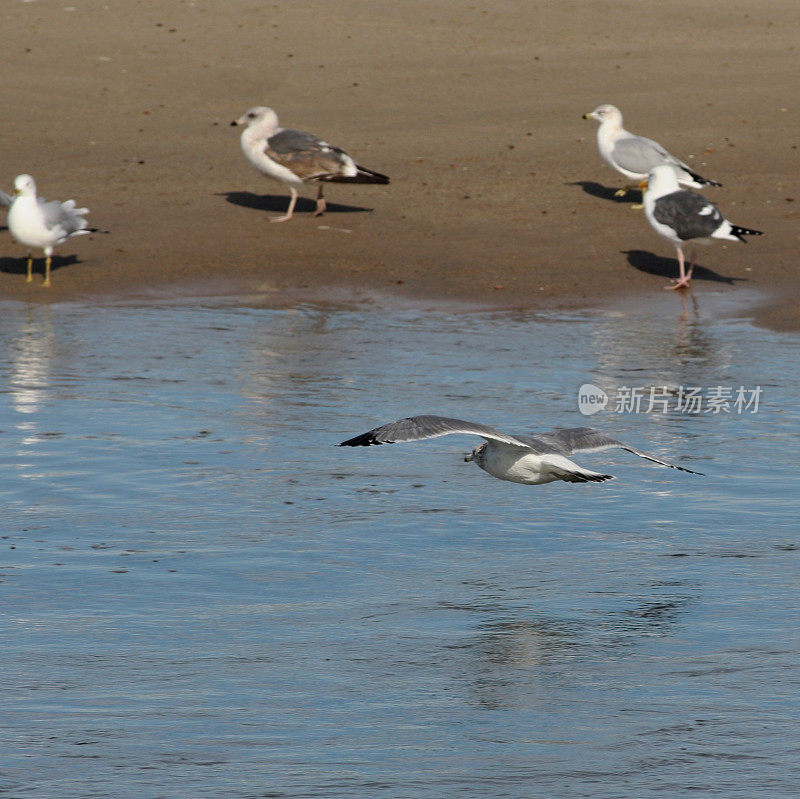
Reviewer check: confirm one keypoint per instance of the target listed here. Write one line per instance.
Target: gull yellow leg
(30, 268)
(46, 283)
(642, 187)
(625, 189)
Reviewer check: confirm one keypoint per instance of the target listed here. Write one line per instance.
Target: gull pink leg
(683, 281)
(691, 266)
(290, 210)
(321, 204)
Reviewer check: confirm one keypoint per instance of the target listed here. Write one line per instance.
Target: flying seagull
(294, 157)
(681, 216)
(34, 222)
(634, 156)
(533, 460)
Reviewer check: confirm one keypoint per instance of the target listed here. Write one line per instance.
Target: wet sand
(498, 194)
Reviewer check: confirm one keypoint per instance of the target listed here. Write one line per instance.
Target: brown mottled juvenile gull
(533, 460)
(295, 157)
(634, 156)
(681, 216)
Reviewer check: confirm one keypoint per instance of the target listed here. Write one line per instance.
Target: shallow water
(205, 597)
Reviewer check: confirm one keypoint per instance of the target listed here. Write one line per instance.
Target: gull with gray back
(634, 156)
(35, 222)
(532, 460)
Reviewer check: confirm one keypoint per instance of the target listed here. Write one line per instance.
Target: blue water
(204, 597)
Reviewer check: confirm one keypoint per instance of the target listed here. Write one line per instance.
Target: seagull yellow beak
(643, 184)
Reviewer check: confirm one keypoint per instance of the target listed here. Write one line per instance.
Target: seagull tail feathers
(363, 175)
(585, 477)
(85, 231)
(703, 181)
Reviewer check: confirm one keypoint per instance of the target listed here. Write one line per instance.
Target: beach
(207, 595)
(498, 195)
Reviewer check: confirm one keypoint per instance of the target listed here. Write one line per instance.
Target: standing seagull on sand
(634, 156)
(533, 460)
(34, 222)
(295, 157)
(680, 216)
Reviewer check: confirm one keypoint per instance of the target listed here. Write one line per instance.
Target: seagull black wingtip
(364, 440)
(684, 469)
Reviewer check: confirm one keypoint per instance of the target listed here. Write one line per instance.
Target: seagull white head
(258, 115)
(662, 180)
(608, 114)
(24, 184)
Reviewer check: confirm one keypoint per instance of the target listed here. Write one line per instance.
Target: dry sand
(498, 194)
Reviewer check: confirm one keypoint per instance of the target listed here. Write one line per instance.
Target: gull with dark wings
(682, 216)
(533, 460)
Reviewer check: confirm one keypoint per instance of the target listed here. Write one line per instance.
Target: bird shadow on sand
(607, 192)
(19, 266)
(668, 268)
(278, 204)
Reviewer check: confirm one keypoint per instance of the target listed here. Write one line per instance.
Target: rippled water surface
(204, 597)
